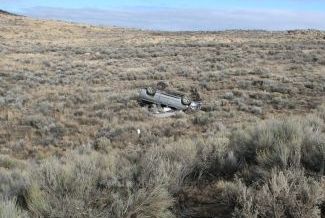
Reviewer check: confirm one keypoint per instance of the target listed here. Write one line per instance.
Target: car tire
(151, 91)
(186, 100)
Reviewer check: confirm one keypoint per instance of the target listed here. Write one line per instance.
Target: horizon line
(97, 19)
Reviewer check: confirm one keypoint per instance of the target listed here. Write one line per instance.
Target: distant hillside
(7, 13)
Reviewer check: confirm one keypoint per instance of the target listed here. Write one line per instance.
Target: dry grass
(253, 172)
(69, 121)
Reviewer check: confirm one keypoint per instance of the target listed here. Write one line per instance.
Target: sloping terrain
(69, 122)
(6, 13)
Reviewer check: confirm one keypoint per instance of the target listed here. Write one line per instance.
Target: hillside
(69, 121)
(6, 13)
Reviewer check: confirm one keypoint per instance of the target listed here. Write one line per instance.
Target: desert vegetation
(74, 141)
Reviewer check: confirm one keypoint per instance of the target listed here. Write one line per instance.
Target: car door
(164, 99)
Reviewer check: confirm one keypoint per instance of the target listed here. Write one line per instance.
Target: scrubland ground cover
(69, 123)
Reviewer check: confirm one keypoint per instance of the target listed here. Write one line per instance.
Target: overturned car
(168, 99)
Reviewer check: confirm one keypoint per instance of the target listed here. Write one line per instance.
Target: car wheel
(151, 91)
(186, 100)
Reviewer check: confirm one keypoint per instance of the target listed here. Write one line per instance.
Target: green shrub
(313, 145)
(258, 171)
(203, 118)
(8, 162)
(13, 185)
(71, 187)
(321, 111)
(91, 184)
(213, 159)
(286, 194)
(8, 209)
(166, 166)
(283, 144)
